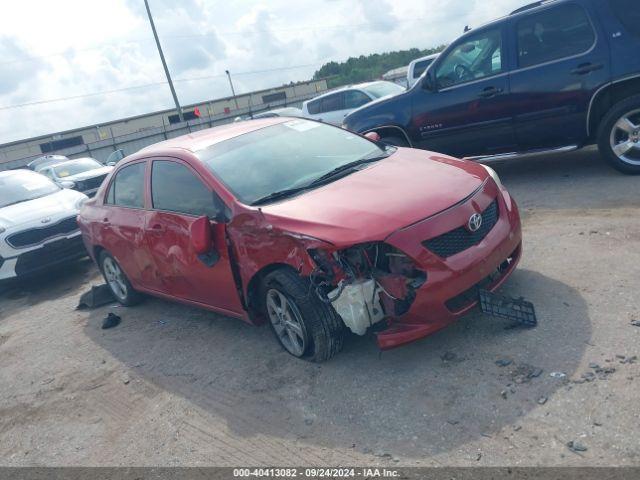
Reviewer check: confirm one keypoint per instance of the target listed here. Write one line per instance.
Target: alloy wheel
(625, 138)
(287, 322)
(115, 278)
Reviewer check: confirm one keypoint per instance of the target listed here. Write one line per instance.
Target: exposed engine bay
(366, 283)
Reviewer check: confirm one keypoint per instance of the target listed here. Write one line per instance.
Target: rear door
(179, 196)
(561, 58)
(468, 112)
(122, 223)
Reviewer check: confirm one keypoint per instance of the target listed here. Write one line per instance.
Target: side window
(332, 103)
(127, 187)
(556, 33)
(355, 99)
(314, 107)
(48, 173)
(478, 56)
(628, 13)
(175, 188)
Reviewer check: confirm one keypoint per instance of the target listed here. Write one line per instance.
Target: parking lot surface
(172, 385)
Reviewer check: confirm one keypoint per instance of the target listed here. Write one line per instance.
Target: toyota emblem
(475, 222)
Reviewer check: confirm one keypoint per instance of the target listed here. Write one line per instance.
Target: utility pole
(164, 63)
(232, 89)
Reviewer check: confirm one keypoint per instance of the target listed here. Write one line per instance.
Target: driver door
(468, 111)
(179, 197)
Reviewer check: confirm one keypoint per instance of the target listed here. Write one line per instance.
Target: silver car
(82, 174)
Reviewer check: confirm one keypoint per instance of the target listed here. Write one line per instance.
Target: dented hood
(371, 204)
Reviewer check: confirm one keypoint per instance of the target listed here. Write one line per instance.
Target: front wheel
(305, 327)
(116, 279)
(619, 136)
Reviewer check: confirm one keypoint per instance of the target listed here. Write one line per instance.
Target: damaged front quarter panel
(365, 283)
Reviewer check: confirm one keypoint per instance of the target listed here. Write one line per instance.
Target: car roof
(357, 86)
(196, 141)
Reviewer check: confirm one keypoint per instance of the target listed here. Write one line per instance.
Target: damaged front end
(366, 283)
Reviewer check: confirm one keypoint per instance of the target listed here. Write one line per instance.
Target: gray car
(82, 174)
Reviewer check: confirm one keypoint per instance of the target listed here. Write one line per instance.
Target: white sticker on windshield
(302, 125)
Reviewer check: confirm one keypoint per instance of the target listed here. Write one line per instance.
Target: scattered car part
(96, 297)
(358, 304)
(501, 306)
(110, 321)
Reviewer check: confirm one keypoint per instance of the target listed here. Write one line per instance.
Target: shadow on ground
(425, 398)
(48, 285)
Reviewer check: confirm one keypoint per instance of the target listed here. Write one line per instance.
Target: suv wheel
(118, 282)
(305, 327)
(619, 136)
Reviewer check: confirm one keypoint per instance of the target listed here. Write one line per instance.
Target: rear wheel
(305, 327)
(619, 136)
(395, 141)
(118, 282)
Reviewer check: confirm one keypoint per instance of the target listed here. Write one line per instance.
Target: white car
(38, 227)
(82, 174)
(333, 106)
(417, 68)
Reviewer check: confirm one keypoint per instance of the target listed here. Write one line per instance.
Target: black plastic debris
(111, 320)
(500, 306)
(576, 446)
(98, 295)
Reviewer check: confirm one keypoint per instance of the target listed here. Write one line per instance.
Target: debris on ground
(627, 360)
(504, 362)
(557, 375)
(635, 323)
(449, 357)
(96, 297)
(523, 373)
(126, 379)
(110, 321)
(595, 366)
(503, 394)
(575, 446)
(542, 400)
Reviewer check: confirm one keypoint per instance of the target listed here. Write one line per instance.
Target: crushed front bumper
(452, 283)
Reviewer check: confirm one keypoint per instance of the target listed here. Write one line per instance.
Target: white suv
(333, 106)
(38, 227)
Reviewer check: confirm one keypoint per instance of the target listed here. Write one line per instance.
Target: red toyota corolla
(306, 226)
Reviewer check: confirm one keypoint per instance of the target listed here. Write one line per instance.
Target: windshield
(75, 167)
(283, 156)
(21, 186)
(382, 89)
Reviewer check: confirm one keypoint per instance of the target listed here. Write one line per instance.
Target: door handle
(585, 68)
(490, 92)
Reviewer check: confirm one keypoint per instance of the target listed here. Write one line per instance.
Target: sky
(102, 52)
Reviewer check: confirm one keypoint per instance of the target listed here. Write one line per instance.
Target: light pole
(232, 89)
(164, 63)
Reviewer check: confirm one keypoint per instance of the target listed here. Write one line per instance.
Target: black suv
(552, 76)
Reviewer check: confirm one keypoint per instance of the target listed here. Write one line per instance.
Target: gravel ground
(172, 385)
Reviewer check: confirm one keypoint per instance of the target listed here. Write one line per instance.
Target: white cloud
(75, 47)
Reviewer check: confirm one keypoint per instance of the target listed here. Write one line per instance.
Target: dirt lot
(176, 386)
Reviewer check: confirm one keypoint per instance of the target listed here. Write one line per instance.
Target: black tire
(322, 327)
(606, 130)
(130, 297)
(395, 141)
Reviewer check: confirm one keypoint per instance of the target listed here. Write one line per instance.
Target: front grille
(91, 183)
(36, 236)
(460, 239)
(51, 254)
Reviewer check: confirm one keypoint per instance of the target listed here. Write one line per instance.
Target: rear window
(314, 107)
(628, 13)
(553, 34)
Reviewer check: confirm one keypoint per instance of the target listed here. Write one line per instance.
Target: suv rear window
(628, 13)
(553, 34)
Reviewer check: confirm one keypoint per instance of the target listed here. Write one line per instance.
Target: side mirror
(68, 184)
(372, 136)
(428, 82)
(201, 238)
